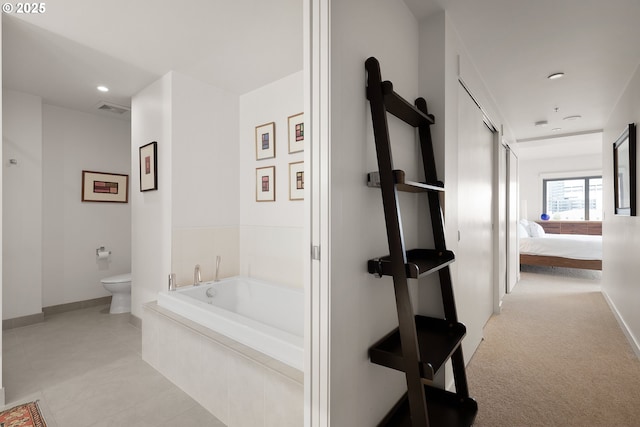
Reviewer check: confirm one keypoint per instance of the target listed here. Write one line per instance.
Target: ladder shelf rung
(437, 340)
(402, 184)
(420, 262)
(445, 409)
(399, 107)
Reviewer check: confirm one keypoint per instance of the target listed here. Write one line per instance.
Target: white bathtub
(264, 316)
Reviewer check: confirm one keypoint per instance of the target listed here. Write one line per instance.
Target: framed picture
(266, 141)
(266, 184)
(149, 167)
(105, 187)
(624, 169)
(296, 133)
(296, 181)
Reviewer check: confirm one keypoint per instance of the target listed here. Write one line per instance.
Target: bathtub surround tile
(201, 245)
(85, 368)
(282, 393)
(275, 254)
(246, 393)
(239, 385)
(213, 395)
(150, 349)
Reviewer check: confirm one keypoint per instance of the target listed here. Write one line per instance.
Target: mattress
(576, 246)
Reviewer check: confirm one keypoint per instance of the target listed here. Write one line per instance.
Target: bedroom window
(573, 199)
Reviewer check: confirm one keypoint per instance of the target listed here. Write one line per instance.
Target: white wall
(363, 307)
(444, 62)
(205, 187)
(271, 233)
(151, 221)
(72, 230)
(50, 235)
(621, 234)
(533, 171)
(22, 202)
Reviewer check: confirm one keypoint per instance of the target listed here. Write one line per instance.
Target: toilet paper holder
(102, 250)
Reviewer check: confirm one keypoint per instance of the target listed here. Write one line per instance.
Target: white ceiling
(240, 45)
(64, 53)
(516, 44)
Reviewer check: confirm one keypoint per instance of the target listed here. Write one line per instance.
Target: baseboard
(18, 322)
(623, 325)
(135, 321)
(32, 319)
(71, 306)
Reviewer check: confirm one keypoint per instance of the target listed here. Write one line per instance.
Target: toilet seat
(120, 278)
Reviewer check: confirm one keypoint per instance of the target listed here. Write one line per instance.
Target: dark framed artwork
(105, 187)
(266, 141)
(296, 181)
(624, 170)
(149, 167)
(266, 184)
(296, 133)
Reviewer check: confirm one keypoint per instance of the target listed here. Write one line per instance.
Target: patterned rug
(26, 415)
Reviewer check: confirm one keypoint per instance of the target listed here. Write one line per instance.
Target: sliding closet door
(474, 257)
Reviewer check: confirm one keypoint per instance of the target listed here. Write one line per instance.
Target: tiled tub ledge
(236, 383)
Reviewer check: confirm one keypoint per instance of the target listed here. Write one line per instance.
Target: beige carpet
(555, 357)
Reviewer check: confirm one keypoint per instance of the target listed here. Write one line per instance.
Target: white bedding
(576, 246)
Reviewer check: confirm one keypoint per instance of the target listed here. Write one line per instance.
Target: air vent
(112, 108)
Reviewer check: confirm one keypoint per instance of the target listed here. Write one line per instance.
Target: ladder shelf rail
(420, 345)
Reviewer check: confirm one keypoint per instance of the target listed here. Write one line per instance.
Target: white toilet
(120, 287)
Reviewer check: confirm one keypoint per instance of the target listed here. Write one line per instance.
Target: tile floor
(86, 369)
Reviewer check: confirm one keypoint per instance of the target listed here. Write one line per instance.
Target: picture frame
(266, 141)
(105, 187)
(296, 181)
(149, 167)
(624, 170)
(266, 184)
(297, 135)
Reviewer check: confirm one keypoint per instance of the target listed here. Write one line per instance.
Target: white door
(474, 256)
(513, 263)
(501, 232)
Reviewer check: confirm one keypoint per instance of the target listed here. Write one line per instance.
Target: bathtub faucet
(217, 268)
(196, 276)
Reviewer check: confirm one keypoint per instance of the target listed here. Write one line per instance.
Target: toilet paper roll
(103, 254)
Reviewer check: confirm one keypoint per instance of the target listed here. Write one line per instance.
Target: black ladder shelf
(420, 346)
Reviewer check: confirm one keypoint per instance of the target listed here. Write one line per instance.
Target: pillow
(536, 230)
(522, 231)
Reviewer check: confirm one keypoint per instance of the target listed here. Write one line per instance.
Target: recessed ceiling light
(541, 123)
(556, 129)
(576, 117)
(103, 88)
(555, 76)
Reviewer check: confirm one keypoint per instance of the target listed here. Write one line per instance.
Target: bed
(547, 244)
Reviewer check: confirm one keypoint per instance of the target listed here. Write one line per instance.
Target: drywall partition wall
(621, 234)
(22, 202)
(444, 64)
(271, 233)
(204, 154)
(533, 171)
(205, 186)
(151, 210)
(74, 141)
(363, 307)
